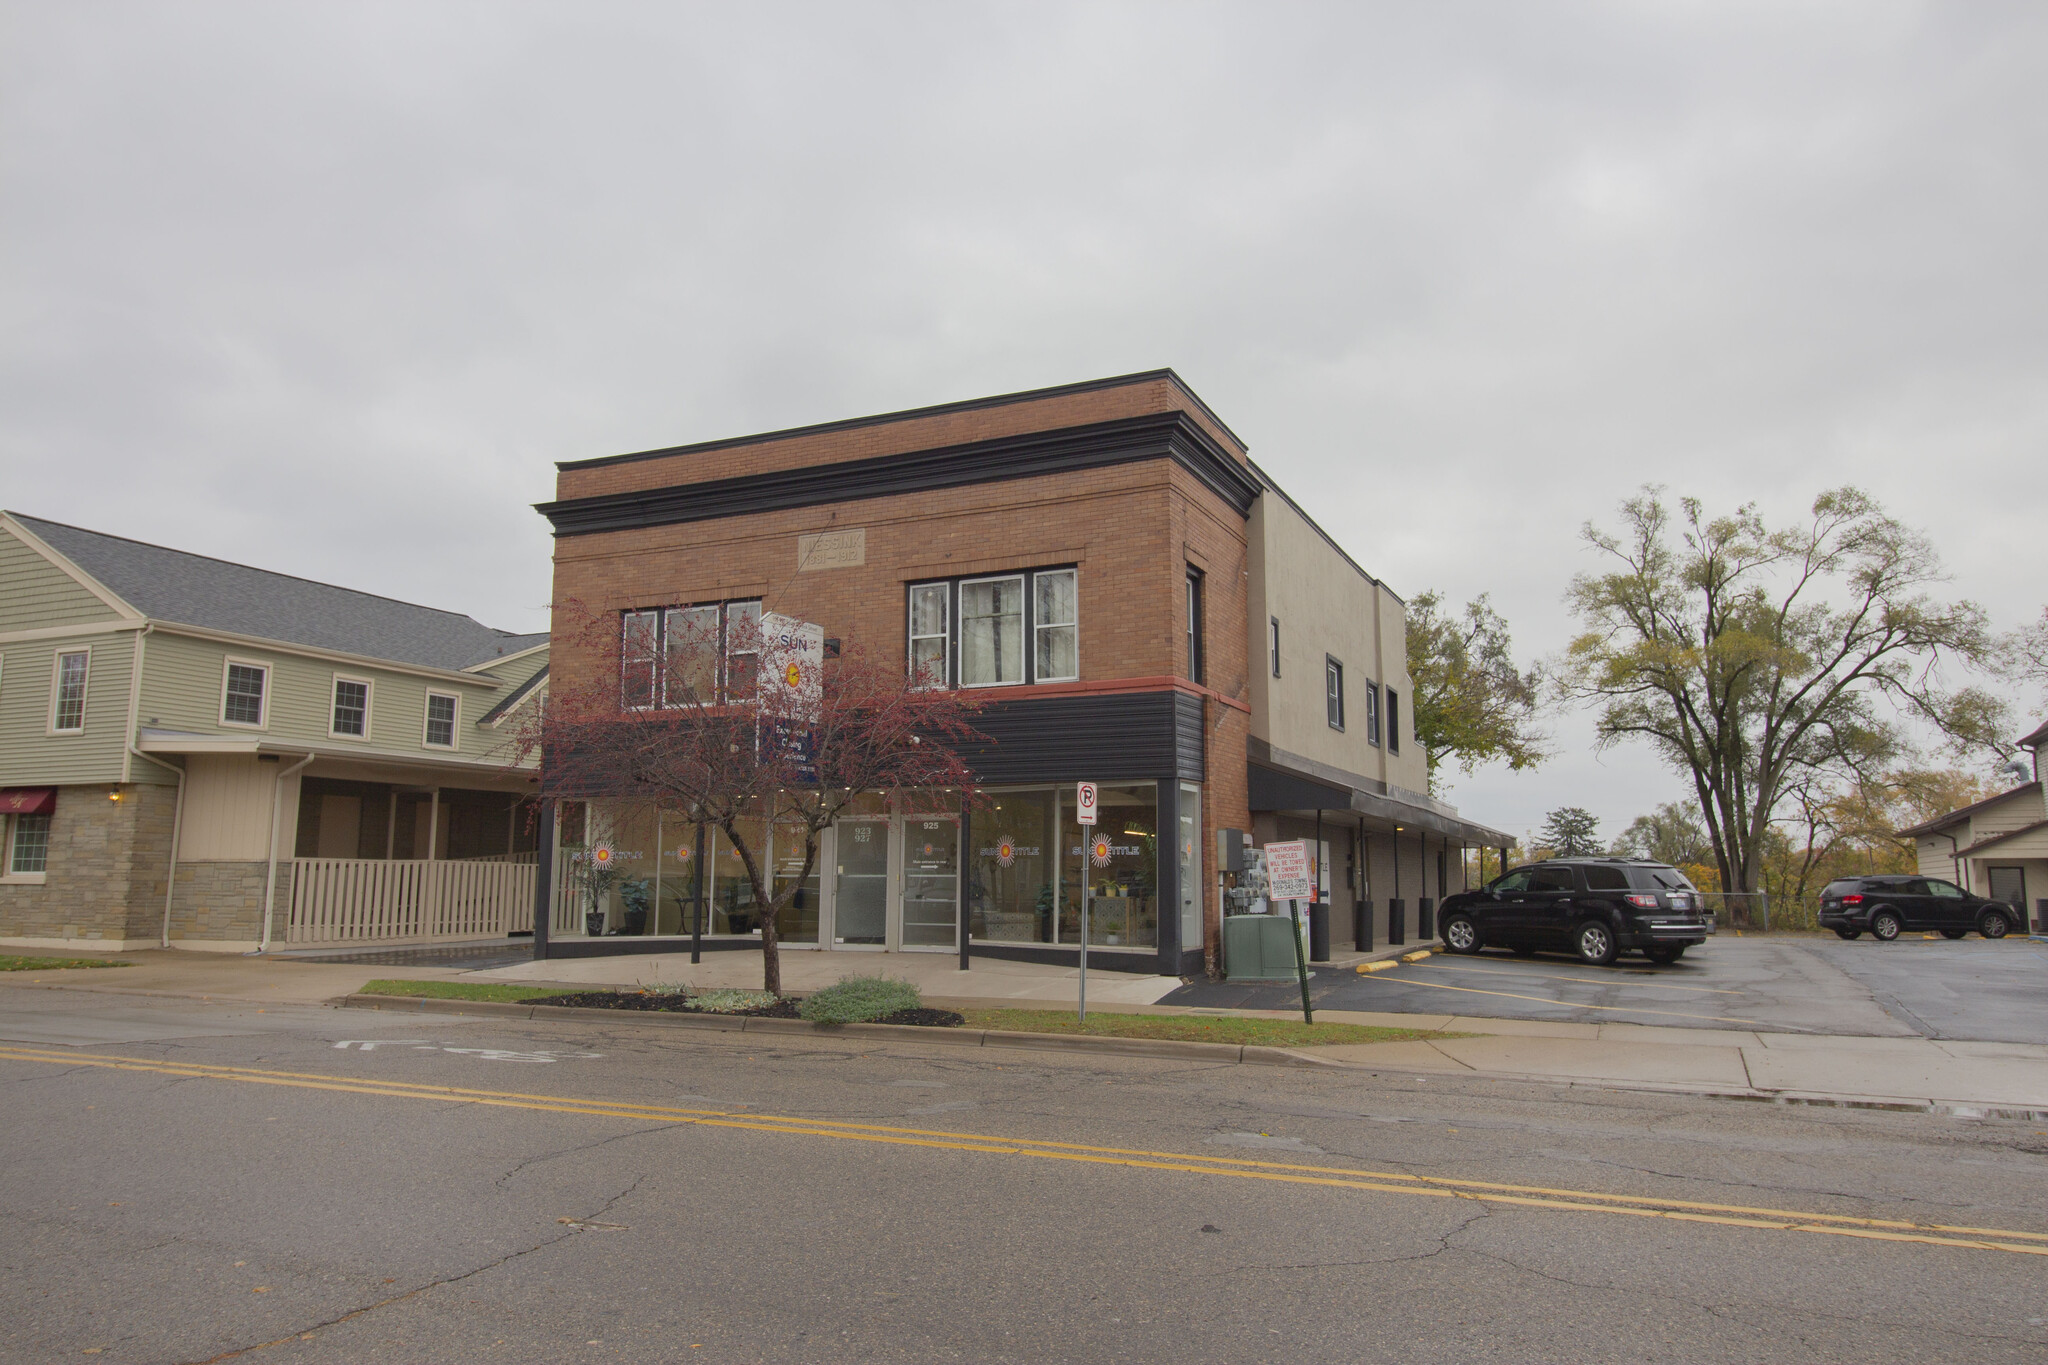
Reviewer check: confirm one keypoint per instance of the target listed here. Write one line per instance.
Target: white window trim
(1333, 672)
(8, 876)
(56, 683)
(263, 724)
(945, 635)
(1031, 591)
(1025, 645)
(369, 707)
(454, 727)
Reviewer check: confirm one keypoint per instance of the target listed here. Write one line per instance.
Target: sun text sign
(1287, 871)
(792, 667)
(1084, 802)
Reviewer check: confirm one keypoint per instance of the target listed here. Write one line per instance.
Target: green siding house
(201, 754)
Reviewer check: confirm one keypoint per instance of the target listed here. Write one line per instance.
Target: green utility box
(1258, 948)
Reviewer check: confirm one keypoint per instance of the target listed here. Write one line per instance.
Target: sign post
(1287, 874)
(1084, 811)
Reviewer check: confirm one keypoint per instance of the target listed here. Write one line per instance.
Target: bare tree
(1747, 655)
(681, 722)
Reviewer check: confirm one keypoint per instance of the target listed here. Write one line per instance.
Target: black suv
(1595, 907)
(1886, 905)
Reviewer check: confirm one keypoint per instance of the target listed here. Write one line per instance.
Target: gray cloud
(328, 288)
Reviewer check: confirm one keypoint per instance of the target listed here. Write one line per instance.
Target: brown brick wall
(749, 456)
(106, 868)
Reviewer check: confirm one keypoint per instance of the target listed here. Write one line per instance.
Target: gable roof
(1988, 840)
(178, 588)
(2037, 740)
(1958, 816)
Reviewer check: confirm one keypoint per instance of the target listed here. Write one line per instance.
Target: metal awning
(1273, 788)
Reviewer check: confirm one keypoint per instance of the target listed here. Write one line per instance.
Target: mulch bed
(681, 1004)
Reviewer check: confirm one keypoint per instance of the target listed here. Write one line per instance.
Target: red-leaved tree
(675, 718)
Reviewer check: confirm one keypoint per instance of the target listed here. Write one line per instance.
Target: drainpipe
(270, 878)
(177, 825)
(1955, 866)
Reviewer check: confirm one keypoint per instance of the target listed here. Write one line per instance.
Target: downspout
(270, 878)
(1955, 866)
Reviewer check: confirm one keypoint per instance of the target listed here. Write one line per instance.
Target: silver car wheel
(1460, 935)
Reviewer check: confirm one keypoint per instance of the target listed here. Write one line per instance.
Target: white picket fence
(413, 900)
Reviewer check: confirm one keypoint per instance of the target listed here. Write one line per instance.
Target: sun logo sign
(602, 855)
(792, 677)
(1098, 851)
(1006, 851)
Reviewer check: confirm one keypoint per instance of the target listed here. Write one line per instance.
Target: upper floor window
(1372, 713)
(67, 700)
(1195, 624)
(245, 688)
(998, 631)
(1393, 721)
(1273, 644)
(351, 708)
(698, 655)
(1333, 692)
(441, 711)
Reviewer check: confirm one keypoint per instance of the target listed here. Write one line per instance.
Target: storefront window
(1010, 875)
(1191, 886)
(798, 921)
(733, 907)
(1123, 878)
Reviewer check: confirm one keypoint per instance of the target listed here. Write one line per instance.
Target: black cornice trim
(1154, 436)
(1000, 400)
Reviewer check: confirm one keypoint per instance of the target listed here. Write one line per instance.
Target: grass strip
(1193, 1028)
(55, 964)
(459, 990)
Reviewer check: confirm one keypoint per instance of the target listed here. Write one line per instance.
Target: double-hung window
(442, 708)
(1393, 721)
(1273, 643)
(1333, 692)
(1372, 713)
(244, 694)
(998, 631)
(26, 841)
(67, 699)
(351, 708)
(1195, 625)
(701, 655)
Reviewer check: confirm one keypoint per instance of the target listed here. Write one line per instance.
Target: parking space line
(1575, 1005)
(1560, 976)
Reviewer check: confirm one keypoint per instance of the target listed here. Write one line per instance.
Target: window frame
(1025, 639)
(227, 666)
(1393, 714)
(1273, 643)
(1372, 713)
(334, 706)
(1333, 691)
(454, 721)
(1197, 645)
(57, 689)
(10, 832)
(1029, 578)
(658, 693)
(944, 637)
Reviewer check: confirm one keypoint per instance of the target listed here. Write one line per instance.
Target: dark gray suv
(1884, 906)
(1598, 908)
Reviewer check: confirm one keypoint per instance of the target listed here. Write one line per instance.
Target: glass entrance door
(931, 882)
(860, 891)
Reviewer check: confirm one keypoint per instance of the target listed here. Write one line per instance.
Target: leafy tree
(710, 752)
(2027, 656)
(1470, 702)
(1748, 657)
(1672, 834)
(1571, 832)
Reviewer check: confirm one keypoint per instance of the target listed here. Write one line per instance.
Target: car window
(1847, 887)
(1669, 878)
(1948, 889)
(1518, 880)
(1908, 886)
(1553, 879)
(1606, 879)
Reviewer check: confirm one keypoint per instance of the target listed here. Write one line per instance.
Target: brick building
(1146, 609)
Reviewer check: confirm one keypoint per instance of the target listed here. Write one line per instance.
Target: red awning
(27, 800)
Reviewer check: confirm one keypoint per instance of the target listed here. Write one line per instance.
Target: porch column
(543, 879)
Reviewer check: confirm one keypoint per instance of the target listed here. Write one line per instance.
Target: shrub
(723, 1002)
(858, 999)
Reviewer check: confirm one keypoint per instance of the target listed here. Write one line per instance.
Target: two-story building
(1138, 603)
(200, 753)
(1997, 847)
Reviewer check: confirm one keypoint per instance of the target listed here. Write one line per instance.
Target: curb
(1232, 1053)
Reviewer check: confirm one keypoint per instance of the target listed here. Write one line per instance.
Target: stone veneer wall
(225, 901)
(106, 870)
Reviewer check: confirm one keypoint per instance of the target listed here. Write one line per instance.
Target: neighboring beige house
(199, 753)
(1996, 848)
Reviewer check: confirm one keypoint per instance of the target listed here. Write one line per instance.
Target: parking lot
(1929, 987)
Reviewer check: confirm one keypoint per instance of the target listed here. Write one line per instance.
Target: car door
(1946, 907)
(1552, 905)
(1502, 916)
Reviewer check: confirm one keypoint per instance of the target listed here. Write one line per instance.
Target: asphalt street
(195, 1183)
(1967, 990)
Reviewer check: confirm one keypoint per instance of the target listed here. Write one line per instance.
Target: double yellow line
(1381, 1182)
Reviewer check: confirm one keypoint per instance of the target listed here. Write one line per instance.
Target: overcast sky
(327, 288)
